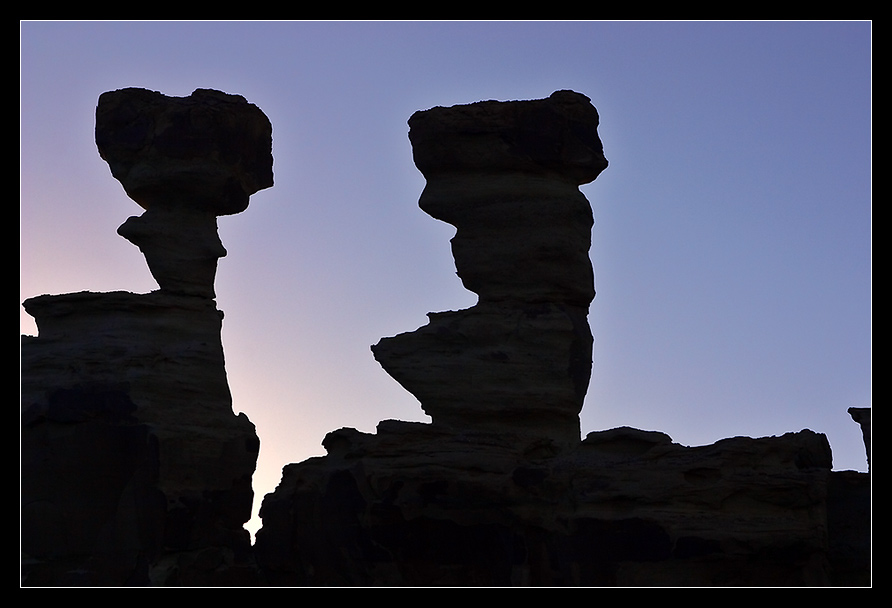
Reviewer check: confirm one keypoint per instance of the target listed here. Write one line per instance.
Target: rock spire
(185, 160)
(135, 469)
(507, 176)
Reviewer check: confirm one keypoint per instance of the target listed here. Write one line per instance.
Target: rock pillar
(135, 469)
(507, 176)
(185, 160)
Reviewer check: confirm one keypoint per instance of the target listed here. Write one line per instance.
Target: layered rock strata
(417, 505)
(135, 470)
(499, 490)
(506, 175)
(185, 160)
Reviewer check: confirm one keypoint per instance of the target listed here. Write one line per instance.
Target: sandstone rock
(181, 247)
(507, 176)
(186, 160)
(413, 505)
(135, 469)
(498, 366)
(499, 490)
(132, 456)
(210, 151)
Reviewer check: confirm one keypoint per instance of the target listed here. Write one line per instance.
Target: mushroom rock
(210, 151)
(506, 175)
(185, 160)
(135, 468)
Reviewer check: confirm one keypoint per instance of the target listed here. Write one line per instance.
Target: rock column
(185, 160)
(135, 469)
(507, 176)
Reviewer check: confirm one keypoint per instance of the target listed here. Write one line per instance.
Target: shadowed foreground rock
(135, 470)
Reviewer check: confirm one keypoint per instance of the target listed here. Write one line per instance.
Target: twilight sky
(732, 244)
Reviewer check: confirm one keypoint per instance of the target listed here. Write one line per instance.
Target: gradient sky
(732, 244)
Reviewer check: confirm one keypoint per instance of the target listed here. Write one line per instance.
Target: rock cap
(557, 135)
(209, 151)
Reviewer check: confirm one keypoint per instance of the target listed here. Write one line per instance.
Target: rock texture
(135, 470)
(507, 176)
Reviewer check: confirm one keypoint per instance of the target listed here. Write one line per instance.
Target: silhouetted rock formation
(186, 160)
(135, 470)
(413, 505)
(861, 415)
(498, 489)
(506, 175)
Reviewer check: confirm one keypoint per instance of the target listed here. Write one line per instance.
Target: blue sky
(732, 244)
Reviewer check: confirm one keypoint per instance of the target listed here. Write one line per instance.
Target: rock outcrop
(861, 415)
(185, 160)
(135, 470)
(499, 490)
(414, 505)
(507, 176)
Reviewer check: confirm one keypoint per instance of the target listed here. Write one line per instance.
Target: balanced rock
(185, 160)
(135, 469)
(507, 176)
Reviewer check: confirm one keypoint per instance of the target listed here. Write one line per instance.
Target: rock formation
(185, 161)
(413, 505)
(861, 415)
(507, 176)
(135, 470)
(498, 490)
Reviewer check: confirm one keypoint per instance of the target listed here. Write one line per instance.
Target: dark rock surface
(132, 458)
(185, 160)
(208, 152)
(499, 490)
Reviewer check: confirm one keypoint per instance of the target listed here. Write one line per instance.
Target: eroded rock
(136, 470)
(209, 151)
(507, 176)
(185, 160)
(417, 505)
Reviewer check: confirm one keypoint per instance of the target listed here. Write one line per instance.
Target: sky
(732, 240)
